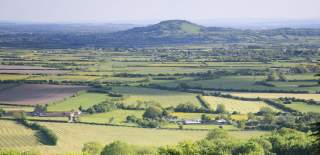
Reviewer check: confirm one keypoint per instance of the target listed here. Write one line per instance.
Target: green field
(73, 103)
(119, 116)
(237, 105)
(165, 98)
(304, 107)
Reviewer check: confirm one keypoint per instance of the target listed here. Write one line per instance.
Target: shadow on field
(42, 138)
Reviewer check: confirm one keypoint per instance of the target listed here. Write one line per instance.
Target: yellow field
(278, 95)
(231, 105)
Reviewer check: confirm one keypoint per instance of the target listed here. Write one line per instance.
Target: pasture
(231, 105)
(32, 94)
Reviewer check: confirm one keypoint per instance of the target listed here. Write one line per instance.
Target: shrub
(92, 148)
(118, 148)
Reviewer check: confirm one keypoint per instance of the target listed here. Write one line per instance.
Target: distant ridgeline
(172, 32)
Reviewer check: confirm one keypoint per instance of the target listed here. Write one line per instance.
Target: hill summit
(168, 28)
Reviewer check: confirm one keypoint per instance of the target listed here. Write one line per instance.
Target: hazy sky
(136, 10)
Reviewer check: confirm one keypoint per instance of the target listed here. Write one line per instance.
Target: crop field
(32, 94)
(15, 135)
(84, 99)
(165, 98)
(237, 105)
(278, 95)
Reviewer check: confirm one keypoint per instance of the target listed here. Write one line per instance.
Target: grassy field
(304, 107)
(278, 95)
(119, 116)
(165, 98)
(83, 99)
(15, 135)
(236, 105)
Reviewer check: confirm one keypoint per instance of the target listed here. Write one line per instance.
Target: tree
(221, 108)
(40, 108)
(205, 118)
(153, 112)
(250, 148)
(217, 134)
(271, 76)
(118, 148)
(241, 124)
(282, 77)
(2, 112)
(265, 110)
(92, 148)
(316, 134)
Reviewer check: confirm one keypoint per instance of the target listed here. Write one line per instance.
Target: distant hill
(171, 32)
(168, 28)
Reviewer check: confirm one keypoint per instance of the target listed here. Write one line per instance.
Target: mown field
(15, 135)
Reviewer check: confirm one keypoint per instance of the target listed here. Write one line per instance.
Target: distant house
(73, 116)
(222, 121)
(192, 121)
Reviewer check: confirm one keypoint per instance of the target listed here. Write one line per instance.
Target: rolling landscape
(170, 87)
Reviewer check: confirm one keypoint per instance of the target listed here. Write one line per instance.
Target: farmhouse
(192, 121)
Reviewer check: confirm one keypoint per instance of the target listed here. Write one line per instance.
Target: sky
(155, 10)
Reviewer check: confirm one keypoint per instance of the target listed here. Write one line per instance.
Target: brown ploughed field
(32, 94)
